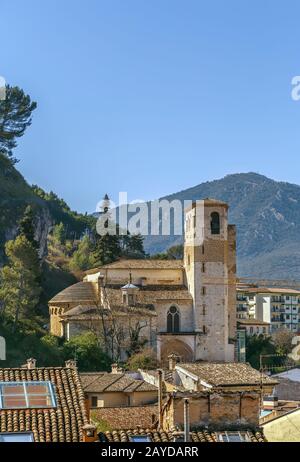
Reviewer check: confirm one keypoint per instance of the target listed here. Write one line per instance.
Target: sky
(151, 97)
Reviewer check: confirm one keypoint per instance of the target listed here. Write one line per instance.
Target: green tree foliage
(15, 117)
(173, 253)
(86, 349)
(145, 359)
(19, 280)
(107, 249)
(257, 345)
(26, 226)
(82, 257)
(132, 246)
(59, 233)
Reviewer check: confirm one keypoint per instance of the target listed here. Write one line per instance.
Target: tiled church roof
(140, 264)
(58, 424)
(79, 292)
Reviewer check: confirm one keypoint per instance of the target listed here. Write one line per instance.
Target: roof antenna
(130, 277)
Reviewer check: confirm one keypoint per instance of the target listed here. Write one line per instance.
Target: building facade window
(173, 320)
(94, 401)
(215, 223)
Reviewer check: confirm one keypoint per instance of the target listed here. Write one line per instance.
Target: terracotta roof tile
(140, 264)
(99, 382)
(199, 436)
(79, 292)
(61, 424)
(222, 374)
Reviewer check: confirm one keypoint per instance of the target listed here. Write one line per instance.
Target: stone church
(184, 307)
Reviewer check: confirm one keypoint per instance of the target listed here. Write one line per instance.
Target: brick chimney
(71, 364)
(31, 363)
(89, 433)
(115, 369)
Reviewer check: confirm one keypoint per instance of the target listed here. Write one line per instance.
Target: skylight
(234, 437)
(19, 437)
(140, 439)
(24, 395)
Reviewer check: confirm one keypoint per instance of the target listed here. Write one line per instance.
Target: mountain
(267, 216)
(16, 194)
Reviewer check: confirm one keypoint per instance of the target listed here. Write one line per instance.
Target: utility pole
(186, 405)
(160, 417)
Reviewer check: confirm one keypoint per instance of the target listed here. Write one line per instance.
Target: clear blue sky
(153, 96)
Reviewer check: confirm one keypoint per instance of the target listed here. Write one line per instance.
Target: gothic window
(215, 223)
(173, 320)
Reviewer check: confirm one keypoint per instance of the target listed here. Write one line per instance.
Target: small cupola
(129, 292)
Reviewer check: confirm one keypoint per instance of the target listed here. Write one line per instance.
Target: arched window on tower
(173, 320)
(215, 223)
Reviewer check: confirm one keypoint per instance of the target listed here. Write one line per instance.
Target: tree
(132, 246)
(173, 253)
(15, 117)
(59, 233)
(26, 226)
(81, 259)
(282, 340)
(257, 345)
(145, 359)
(107, 249)
(19, 280)
(86, 349)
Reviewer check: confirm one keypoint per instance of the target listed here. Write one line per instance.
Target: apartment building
(280, 307)
(245, 303)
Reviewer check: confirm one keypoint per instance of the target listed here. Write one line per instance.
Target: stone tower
(209, 261)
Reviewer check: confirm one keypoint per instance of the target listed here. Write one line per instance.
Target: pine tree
(82, 258)
(107, 249)
(15, 117)
(59, 234)
(26, 226)
(19, 280)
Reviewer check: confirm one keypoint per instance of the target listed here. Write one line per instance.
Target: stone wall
(215, 409)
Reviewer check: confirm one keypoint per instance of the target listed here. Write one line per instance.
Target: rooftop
(81, 291)
(140, 264)
(100, 382)
(272, 290)
(252, 322)
(62, 423)
(226, 374)
(200, 436)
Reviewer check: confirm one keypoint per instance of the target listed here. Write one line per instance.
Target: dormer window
(215, 223)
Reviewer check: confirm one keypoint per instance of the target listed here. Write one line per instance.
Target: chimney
(173, 360)
(89, 433)
(115, 369)
(31, 363)
(71, 364)
(100, 283)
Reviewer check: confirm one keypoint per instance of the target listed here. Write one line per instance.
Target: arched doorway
(178, 347)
